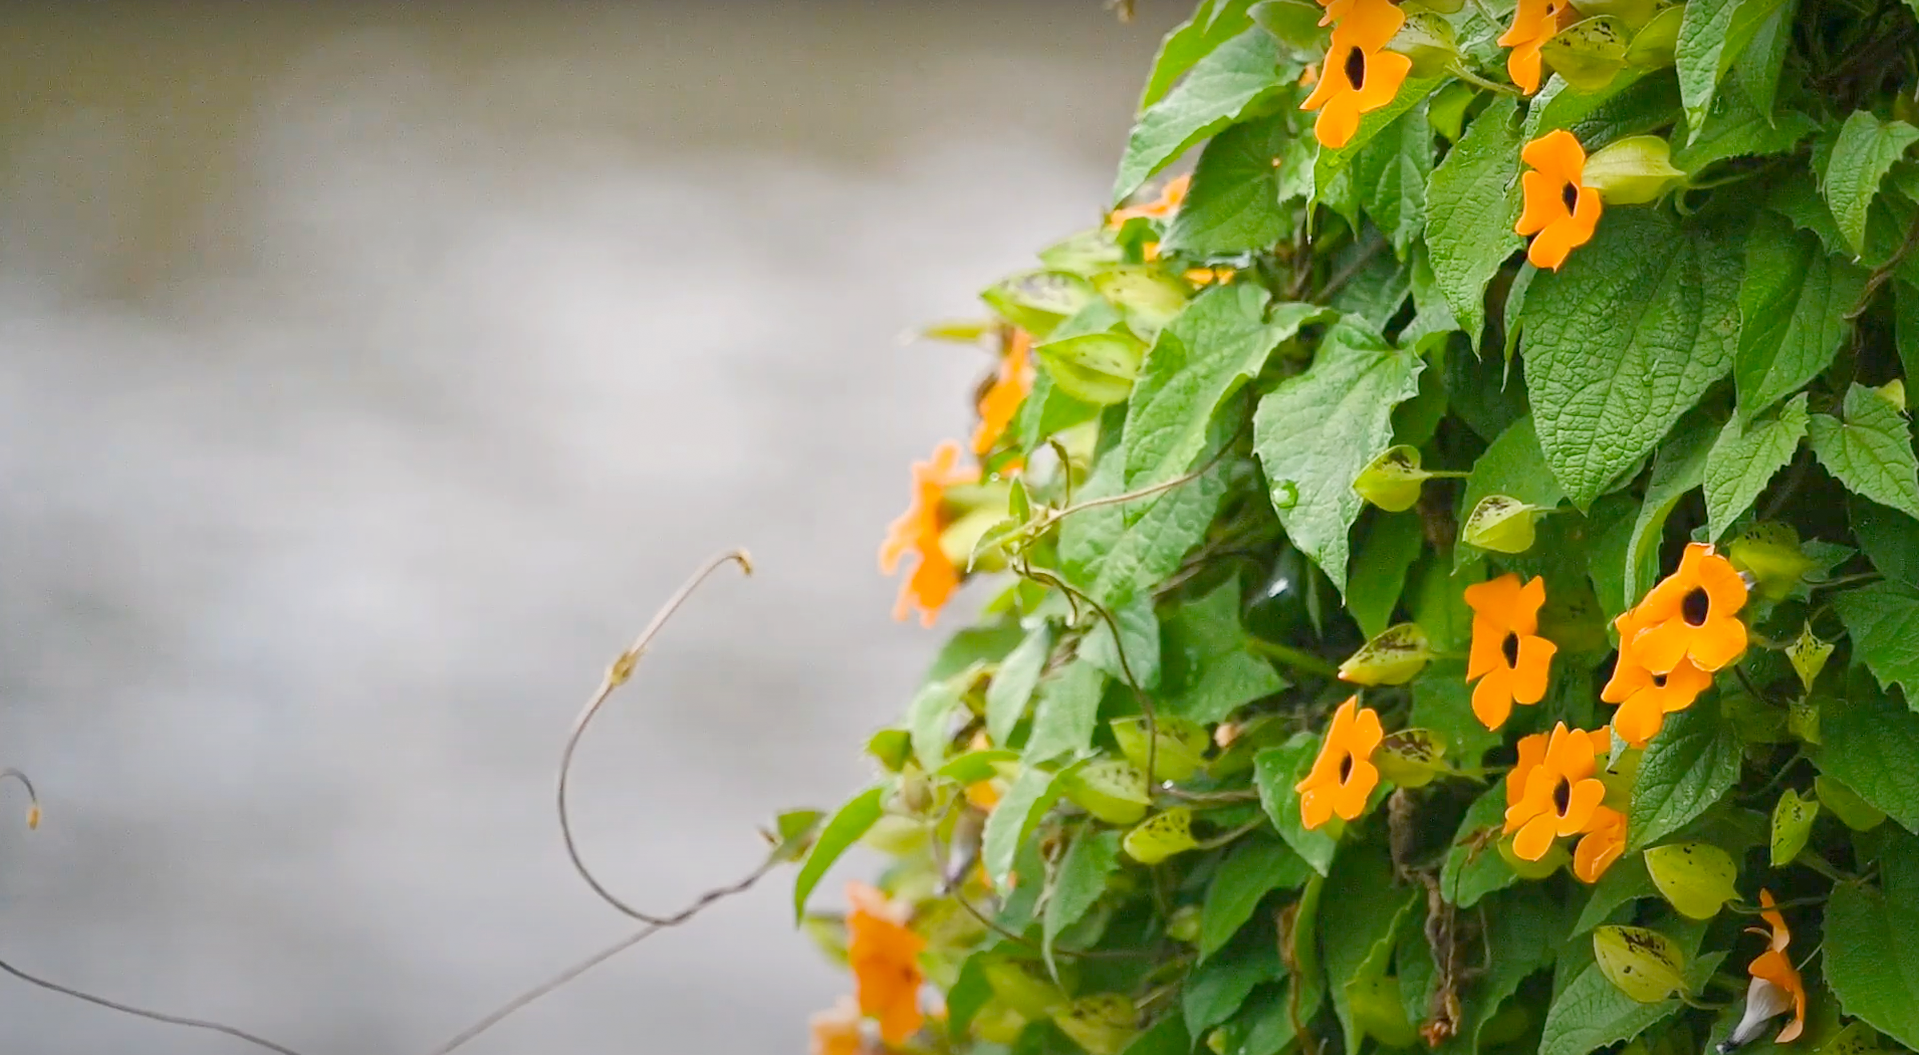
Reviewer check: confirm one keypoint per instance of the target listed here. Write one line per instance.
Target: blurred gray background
(367, 377)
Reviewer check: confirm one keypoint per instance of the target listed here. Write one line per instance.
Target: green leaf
(1275, 771)
(1872, 959)
(1793, 301)
(1705, 49)
(1514, 466)
(1690, 765)
(1679, 467)
(1315, 431)
(1219, 673)
(1114, 550)
(1865, 150)
(1792, 821)
(1473, 866)
(1883, 619)
(1096, 368)
(1256, 867)
(1743, 460)
(1046, 412)
(1234, 203)
(1737, 127)
(1012, 686)
(1391, 174)
(1889, 537)
(1524, 930)
(848, 823)
(1088, 866)
(1217, 988)
(1623, 340)
(1442, 702)
(929, 719)
(1871, 745)
(1472, 203)
(1871, 452)
(1067, 713)
(1236, 75)
(1695, 878)
(1627, 880)
(1213, 24)
(1379, 572)
(1591, 1013)
(1137, 650)
(1012, 821)
(1357, 928)
(1217, 344)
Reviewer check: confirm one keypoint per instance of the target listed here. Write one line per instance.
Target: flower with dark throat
(1560, 796)
(1692, 615)
(1359, 74)
(917, 533)
(1561, 211)
(1343, 775)
(1508, 656)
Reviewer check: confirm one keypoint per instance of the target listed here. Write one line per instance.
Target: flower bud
(1501, 524)
(1769, 552)
(1096, 368)
(1411, 758)
(1633, 171)
(1588, 53)
(1110, 789)
(1555, 859)
(1183, 925)
(1161, 836)
(1392, 481)
(1395, 657)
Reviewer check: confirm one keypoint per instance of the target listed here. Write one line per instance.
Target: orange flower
(1692, 615)
(918, 531)
(1776, 987)
(1343, 775)
(1002, 398)
(1559, 208)
(1532, 751)
(884, 955)
(1508, 655)
(1561, 795)
(1604, 842)
(1360, 75)
(1534, 22)
(1168, 202)
(837, 1031)
(1645, 698)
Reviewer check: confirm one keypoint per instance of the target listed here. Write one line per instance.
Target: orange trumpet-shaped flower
(1534, 23)
(1508, 656)
(836, 1031)
(1009, 389)
(1359, 74)
(1603, 843)
(1343, 775)
(1532, 751)
(917, 531)
(1645, 698)
(1170, 197)
(1776, 986)
(1560, 797)
(1693, 615)
(1560, 209)
(884, 955)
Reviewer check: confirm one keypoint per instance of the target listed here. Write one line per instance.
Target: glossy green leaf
(1237, 74)
(1083, 874)
(1101, 1024)
(1472, 204)
(1256, 867)
(1793, 301)
(1694, 877)
(1314, 432)
(1706, 47)
(1883, 619)
(1216, 989)
(1134, 654)
(1690, 765)
(1096, 368)
(1235, 203)
(1744, 459)
(1872, 959)
(1870, 451)
(1792, 819)
(1623, 340)
(1864, 152)
(1357, 928)
(1889, 538)
(1872, 747)
(1276, 770)
(841, 831)
(1442, 702)
(1627, 880)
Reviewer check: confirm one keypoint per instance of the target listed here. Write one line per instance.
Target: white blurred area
(367, 377)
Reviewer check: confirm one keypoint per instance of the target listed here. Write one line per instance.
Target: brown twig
(617, 675)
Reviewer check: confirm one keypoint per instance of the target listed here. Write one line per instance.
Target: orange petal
(1315, 808)
(1531, 673)
(1493, 699)
(1558, 155)
(1336, 123)
(1639, 719)
(1385, 73)
(1484, 655)
(1532, 751)
(1534, 839)
(1349, 799)
(1718, 643)
(1365, 732)
(1661, 647)
(1583, 800)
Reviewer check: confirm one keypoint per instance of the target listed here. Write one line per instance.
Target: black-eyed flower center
(1569, 194)
(1695, 607)
(1510, 649)
(1563, 795)
(1345, 766)
(1659, 680)
(1356, 68)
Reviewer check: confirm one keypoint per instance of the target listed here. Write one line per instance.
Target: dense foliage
(1458, 560)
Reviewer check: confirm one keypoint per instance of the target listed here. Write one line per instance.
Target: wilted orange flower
(1360, 75)
(1603, 843)
(884, 955)
(836, 1031)
(1508, 655)
(1693, 615)
(1776, 986)
(1343, 775)
(1645, 698)
(1010, 386)
(1534, 22)
(1560, 796)
(917, 531)
(1560, 209)
(1168, 202)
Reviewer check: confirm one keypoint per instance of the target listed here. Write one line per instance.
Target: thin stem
(1223, 838)
(157, 1016)
(1294, 658)
(617, 675)
(1458, 69)
(1020, 939)
(1821, 866)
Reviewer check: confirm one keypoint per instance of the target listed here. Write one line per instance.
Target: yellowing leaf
(1393, 658)
(1644, 964)
(1161, 836)
(1696, 878)
(1110, 789)
(1792, 821)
